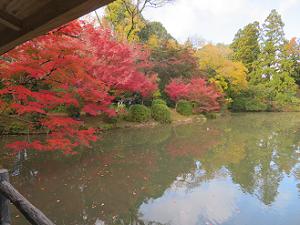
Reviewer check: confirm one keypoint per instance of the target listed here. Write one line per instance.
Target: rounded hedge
(161, 113)
(139, 113)
(184, 108)
(159, 102)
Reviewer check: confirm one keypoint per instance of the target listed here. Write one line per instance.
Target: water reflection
(242, 169)
(211, 202)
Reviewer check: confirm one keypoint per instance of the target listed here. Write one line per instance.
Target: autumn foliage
(196, 90)
(77, 64)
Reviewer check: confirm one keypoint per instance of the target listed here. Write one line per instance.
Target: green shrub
(184, 108)
(238, 103)
(35, 118)
(252, 100)
(211, 115)
(161, 113)
(139, 113)
(17, 127)
(295, 104)
(159, 101)
(122, 112)
(59, 109)
(109, 119)
(156, 94)
(243, 104)
(73, 111)
(255, 105)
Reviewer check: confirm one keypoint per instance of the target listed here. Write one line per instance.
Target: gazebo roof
(22, 20)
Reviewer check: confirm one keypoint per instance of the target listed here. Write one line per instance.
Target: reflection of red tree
(118, 179)
(193, 146)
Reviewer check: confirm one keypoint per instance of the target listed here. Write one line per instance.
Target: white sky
(219, 20)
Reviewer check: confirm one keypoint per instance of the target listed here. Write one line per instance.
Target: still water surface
(240, 170)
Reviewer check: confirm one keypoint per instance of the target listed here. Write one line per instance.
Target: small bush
(184, 108)
(156, 94)
(161, 113)
(121, 114)
(73, 111)
(282, 101)
(59, 109)
(109, 119)
(255, 105)
(248, 105)
(210, 115)
(139, 113)
(251, 100)
(159, 102)
(17, 127)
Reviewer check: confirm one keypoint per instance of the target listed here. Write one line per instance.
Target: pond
(239, 169)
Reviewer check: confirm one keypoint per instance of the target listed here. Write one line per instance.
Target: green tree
(125, 19)
(126, 16)
(292, 50)
(245, 45)
(273, 68)
(154, 28)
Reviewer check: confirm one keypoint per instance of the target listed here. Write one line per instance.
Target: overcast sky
(219, 20)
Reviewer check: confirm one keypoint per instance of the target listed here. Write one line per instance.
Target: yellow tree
(214, 61)
(126, 16)
(125, 20)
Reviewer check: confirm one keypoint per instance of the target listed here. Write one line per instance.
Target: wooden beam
(50, 16)
(10, 21)
(31, 213)
(5, 217)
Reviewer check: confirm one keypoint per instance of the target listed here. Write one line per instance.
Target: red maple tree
(76, 64)
(196, 90)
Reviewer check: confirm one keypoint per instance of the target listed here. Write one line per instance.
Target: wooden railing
(9, 194)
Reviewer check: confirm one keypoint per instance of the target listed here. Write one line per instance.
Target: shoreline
(100, 126)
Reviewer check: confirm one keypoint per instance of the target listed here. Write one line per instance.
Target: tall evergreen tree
(245, 45)
(274, 68)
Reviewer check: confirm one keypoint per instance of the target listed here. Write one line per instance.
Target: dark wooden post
(4, 202)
